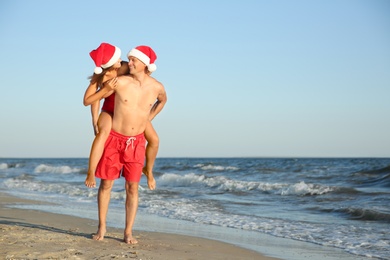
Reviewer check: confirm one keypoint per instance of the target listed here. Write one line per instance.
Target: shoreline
(34, 234)
(31, 229)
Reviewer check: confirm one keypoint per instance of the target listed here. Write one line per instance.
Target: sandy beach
(31, 234)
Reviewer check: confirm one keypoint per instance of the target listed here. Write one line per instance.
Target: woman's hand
(111, 83)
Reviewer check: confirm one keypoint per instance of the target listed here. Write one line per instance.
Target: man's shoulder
(125, 79)
(156, 83)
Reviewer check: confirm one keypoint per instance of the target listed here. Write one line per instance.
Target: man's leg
(103, 202)
(131, 211)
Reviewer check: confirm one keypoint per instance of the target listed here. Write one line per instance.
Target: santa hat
(146, 55)
(105, 56)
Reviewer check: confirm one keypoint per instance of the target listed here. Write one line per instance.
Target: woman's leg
(151, 154)
(104, 124)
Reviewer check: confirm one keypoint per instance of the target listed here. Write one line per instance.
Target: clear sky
(260, 78)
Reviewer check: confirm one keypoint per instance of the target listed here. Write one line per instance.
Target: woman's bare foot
(151, 180)
(129, 239)
(90, 181)
(99, 234)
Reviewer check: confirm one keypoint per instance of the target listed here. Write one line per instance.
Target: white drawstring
(130, 140)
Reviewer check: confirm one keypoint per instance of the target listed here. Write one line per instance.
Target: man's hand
(95, 129)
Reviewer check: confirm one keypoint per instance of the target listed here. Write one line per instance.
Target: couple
(121, 133)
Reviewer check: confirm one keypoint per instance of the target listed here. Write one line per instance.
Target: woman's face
(117, 65)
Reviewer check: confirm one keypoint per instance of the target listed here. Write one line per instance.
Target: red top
(109, 102)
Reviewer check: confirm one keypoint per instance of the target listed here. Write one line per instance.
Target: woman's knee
(104, 132)
(105, 123)
(154, 142)
(151, 135)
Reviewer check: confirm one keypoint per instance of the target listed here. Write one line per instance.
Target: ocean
(334, 203)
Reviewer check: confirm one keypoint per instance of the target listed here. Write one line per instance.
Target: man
(104, 56)
(124, 151)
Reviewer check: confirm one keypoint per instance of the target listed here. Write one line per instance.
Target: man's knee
(131, 188)
(106, 185)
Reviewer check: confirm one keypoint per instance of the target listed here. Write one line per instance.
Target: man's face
(135, 65)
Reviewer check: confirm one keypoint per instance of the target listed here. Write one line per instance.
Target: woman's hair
(98, 78)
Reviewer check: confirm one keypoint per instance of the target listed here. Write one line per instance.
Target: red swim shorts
(124, 154)
(109, 103)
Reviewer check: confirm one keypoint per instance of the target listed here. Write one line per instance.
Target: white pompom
(152, 67)
(98, 70)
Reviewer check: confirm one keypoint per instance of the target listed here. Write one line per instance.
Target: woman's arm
(101, 93)
(95, 116)
(92, 89)
(92, 94)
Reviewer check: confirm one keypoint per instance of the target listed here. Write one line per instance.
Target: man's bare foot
(129, 239)
(90, 181)
(99, 234)
(151, 180)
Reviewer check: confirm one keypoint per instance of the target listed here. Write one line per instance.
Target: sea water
(339, 203)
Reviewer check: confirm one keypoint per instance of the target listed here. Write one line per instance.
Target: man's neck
(140, 77)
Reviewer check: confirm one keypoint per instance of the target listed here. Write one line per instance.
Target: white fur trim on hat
(113, 60)
(152, 67)
(98, 70)
(139, 55)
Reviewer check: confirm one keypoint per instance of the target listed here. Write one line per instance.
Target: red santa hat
(105, 56)
(146, 55)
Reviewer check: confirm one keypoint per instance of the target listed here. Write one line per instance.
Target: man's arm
(159, 105)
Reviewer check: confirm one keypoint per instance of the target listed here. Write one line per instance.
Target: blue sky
(243, 78)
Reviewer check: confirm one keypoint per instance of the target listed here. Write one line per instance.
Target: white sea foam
(216, 167)
(302, 188)
(3, 166)
(43, 168)
(225, 184)
(318, 233)
(52, 188)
